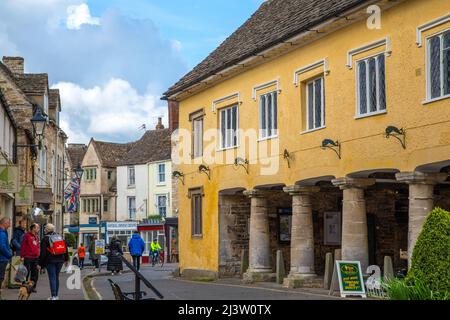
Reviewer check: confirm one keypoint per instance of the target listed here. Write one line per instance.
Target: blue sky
(199, 25)
(112, 59)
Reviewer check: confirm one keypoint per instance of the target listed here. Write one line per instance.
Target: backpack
(57, 245)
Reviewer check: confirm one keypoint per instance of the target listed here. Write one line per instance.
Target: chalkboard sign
(351, 282)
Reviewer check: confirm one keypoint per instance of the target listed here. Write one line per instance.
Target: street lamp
(79, 172)
(38, 121)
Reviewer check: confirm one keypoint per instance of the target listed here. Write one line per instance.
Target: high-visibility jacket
(155, 246)
(82, 252)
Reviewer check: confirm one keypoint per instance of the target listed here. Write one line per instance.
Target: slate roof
(111, 154)
(275, 21)
(32, 83)
(155, 145)
(76, 154)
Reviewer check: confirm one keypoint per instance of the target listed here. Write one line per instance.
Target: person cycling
(155, 247)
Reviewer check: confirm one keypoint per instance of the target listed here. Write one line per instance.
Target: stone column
(421, 201)
(260, 262)
(355, 242)
(302, 236)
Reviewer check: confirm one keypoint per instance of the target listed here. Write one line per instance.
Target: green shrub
(400, 289)
(430, 263)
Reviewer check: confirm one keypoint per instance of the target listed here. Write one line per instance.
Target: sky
(113, 59)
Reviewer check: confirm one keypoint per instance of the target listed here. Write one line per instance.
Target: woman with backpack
(53, 256)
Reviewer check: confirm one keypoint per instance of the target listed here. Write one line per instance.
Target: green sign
(9, 178)
(351, 282)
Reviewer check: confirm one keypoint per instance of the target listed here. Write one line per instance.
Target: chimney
(173, 115)
(159, 126)
(14, 64)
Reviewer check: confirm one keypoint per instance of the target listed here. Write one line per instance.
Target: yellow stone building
(332, 131)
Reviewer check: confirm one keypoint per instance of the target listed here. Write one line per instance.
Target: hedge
(430, 263)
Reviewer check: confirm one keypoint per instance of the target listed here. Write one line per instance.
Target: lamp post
(79, 174)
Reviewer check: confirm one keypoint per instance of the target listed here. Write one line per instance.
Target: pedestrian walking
(81, 255)
(17, 237)
(52, 257)
(29, 253)
(136, 247)
(5, 250)
(94, 256)
(114, 260)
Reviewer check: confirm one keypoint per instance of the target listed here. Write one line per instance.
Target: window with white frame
(229, 127)
(161, 204)
(132, 208)
(315, 104)
(90, 174)
(161, 173)
(439, 65)
(131, 176)
(268, 115)
(371, 85)
(197, 144)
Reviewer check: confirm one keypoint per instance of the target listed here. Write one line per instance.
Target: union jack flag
(72, 195)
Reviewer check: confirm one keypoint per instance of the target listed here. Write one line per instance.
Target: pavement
(68, 290)
(223, 289)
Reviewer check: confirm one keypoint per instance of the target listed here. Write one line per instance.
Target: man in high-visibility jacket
(155, 247)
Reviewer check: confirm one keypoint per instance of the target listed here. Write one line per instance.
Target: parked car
(88, 261)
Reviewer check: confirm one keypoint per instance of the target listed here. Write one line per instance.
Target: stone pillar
(355, 242)
(260, 262)
(421, 201)
(302, 236)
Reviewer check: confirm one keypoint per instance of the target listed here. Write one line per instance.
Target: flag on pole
(72, 195)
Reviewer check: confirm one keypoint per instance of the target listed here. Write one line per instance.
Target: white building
(144, 178)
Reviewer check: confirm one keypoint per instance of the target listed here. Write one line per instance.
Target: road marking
(258, 288)
(95, 290)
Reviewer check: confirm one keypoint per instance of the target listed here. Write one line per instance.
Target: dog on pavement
(25, 290)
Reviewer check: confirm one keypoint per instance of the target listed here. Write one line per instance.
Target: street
(226, 289)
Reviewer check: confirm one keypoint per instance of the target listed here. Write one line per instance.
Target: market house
(360, 118)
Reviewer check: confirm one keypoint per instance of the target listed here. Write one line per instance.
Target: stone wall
(234, 215)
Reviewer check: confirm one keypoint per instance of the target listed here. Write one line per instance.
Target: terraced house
(350, 102)
(40, 160)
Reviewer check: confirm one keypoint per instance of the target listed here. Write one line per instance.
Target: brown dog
(25, 290)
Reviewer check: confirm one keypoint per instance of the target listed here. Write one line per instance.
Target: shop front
(122, 230)
(150, 231)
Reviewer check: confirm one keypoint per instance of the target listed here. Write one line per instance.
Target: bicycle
(158, 258)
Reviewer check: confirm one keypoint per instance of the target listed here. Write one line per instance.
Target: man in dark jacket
(29, 253)
(52, 262)
(17, 237)
(5, 250)
(136, 247)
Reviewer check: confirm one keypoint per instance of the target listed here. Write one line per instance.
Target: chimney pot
(159, 126)
(14, 64)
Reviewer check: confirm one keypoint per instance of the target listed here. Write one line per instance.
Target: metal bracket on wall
(399, 134)
(332, 145)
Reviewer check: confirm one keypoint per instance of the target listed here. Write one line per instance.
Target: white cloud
(114, 109)
(89, 63)
(79, 15)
